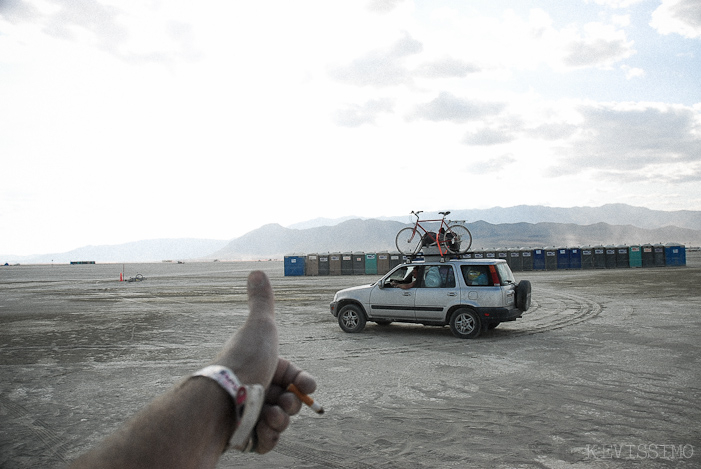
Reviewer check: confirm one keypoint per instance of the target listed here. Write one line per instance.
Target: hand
(252, 354)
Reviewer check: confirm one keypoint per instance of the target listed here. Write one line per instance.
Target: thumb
(252, 353)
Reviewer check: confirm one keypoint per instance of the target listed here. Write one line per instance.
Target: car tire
(465, 324)
(351, 319)
(523, 295)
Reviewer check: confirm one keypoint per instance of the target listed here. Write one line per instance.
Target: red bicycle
(450, 238)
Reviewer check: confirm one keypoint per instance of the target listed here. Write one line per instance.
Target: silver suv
(470, 295)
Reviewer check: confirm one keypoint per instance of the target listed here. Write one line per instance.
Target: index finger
(288, 373)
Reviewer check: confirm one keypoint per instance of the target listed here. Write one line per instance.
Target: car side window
(476, 275)
(399, 274)
(432, 279)
(438, 277)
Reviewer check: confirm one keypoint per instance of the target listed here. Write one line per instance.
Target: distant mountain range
(152, 250)
(613, 214)
(522, 226)
(274, 241)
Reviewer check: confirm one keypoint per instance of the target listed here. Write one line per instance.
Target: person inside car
(409, 282)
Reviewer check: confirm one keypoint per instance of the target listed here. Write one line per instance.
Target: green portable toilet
(324, 264)
(358, 263)
(312, 265)
(490, 255)
(335, 263)
(370, 263)
(478, 255)
(635, 256)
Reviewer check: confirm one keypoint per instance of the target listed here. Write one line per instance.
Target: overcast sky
(123, 120)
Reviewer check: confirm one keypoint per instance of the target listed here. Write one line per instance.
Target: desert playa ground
(603, 371)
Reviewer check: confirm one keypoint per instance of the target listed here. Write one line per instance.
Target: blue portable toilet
(539, 259)
(294, 265)
(563, 258)
(675, 254)
(575, 258)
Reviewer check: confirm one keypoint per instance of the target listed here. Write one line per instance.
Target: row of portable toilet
(347, 263)
(596, 257)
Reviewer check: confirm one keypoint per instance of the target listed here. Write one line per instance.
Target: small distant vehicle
(469, 295)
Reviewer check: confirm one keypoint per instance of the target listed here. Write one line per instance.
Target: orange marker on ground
(306, 399)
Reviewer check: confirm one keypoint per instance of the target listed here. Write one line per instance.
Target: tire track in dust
(316, 456)
(29, 427)
(556, 311)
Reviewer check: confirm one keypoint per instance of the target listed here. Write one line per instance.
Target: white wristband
(247, 399)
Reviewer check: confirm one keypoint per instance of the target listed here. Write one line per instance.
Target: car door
(437, 292)
(388, 300)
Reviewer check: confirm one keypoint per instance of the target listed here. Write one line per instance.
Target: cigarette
(306, 399)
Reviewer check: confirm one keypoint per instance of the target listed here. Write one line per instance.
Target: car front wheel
(351, 319)
(465, 324)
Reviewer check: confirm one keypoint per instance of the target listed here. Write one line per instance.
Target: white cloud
(643, 141)
(197, 111)
(632, 72)
(681, 17)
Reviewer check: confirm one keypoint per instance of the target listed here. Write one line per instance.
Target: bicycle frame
(443, 226)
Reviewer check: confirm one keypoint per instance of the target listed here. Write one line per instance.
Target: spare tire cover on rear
(523, 295)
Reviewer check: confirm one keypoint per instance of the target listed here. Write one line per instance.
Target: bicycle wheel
(461, 239)
(408, 242)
